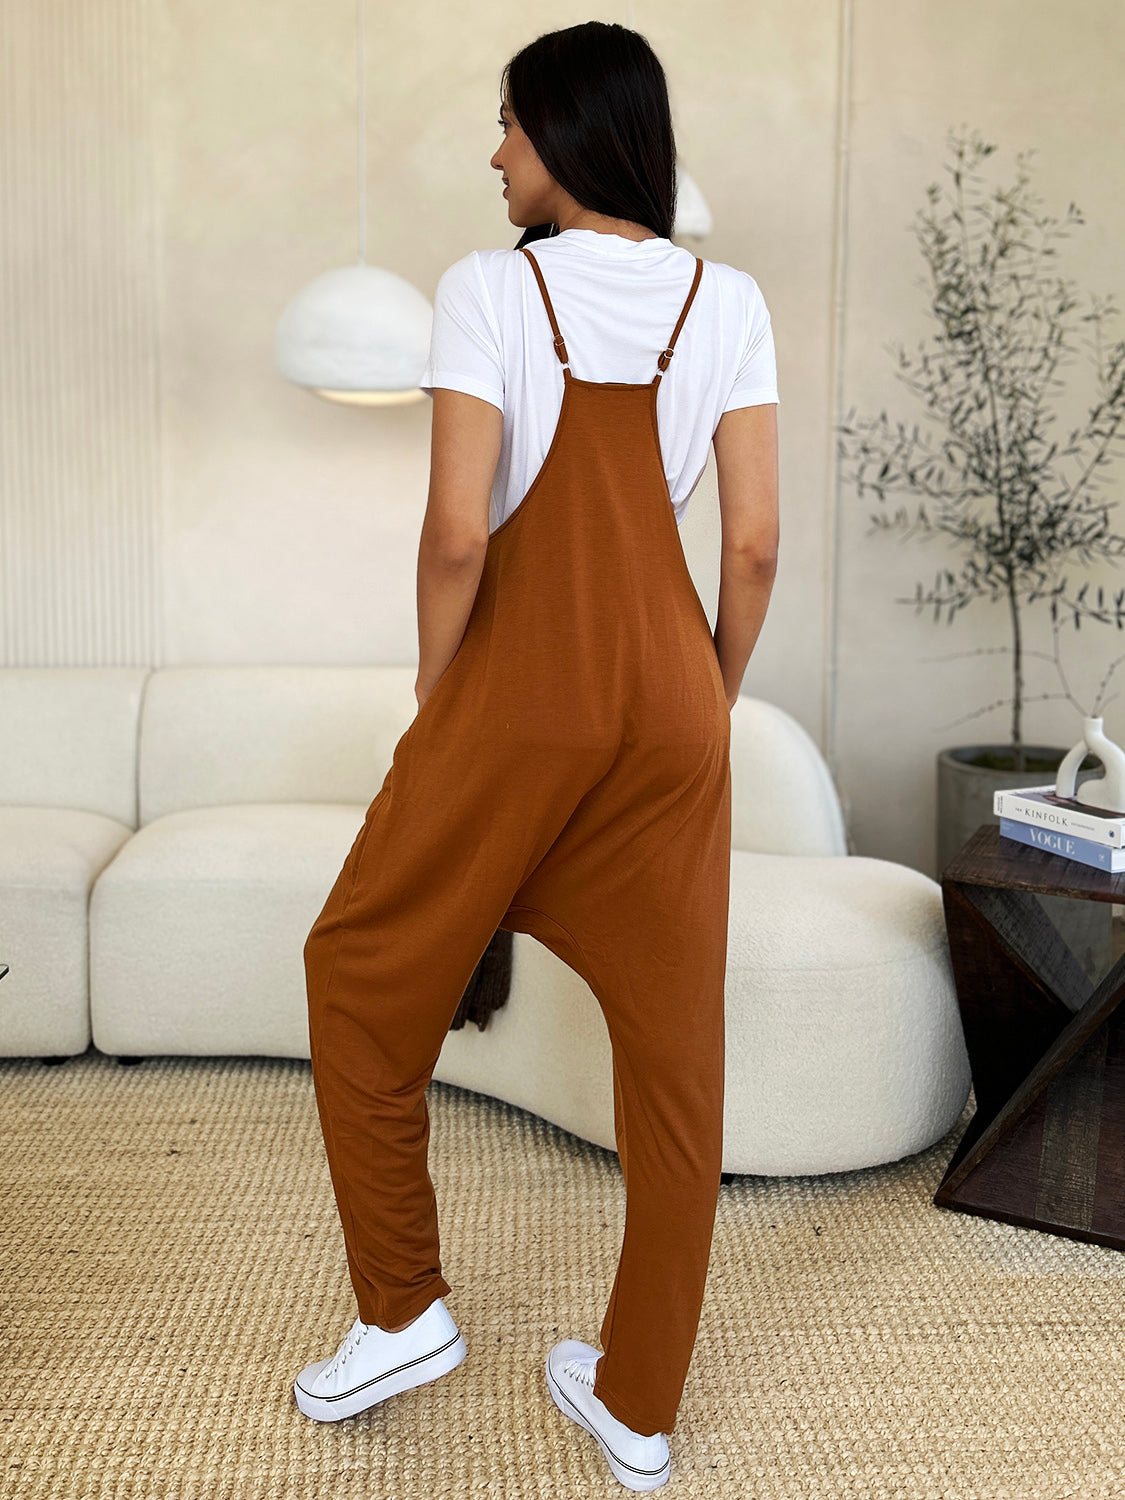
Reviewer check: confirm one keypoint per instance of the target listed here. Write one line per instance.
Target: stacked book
(1038, 816)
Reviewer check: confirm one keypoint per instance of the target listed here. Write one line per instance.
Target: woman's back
(616, 301)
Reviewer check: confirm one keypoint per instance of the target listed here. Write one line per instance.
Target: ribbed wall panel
(79, 377)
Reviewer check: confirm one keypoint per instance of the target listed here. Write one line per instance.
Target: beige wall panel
(79, 345)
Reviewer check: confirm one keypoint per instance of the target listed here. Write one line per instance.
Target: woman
(567, 774)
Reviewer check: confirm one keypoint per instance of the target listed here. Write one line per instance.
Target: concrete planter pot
(967, 775)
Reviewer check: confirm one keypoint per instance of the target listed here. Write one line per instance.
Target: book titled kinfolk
(1085, 851)
(1042, 807)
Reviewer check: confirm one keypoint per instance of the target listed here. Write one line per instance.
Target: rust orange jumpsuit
(569, 777)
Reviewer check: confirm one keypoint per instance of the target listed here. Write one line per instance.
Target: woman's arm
(745, 445)
(465, 439)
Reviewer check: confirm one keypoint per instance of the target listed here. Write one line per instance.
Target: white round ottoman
(844, 1046)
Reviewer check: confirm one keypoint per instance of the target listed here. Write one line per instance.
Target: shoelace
(348, 1347)
(582, 1369)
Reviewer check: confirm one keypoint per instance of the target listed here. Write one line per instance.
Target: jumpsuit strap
(667, 355)
(560, 346)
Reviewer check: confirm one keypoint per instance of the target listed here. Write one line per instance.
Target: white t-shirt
(616, 301)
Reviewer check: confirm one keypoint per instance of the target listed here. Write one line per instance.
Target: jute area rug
(171, 1257)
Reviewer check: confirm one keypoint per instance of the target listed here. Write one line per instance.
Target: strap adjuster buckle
(560, 348)
(664, 358)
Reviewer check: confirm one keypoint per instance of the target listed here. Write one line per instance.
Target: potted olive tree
(1022, 508)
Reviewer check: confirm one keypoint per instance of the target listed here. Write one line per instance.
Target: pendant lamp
(357, 334)
(693, 217)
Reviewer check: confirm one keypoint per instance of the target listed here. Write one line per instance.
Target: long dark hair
(593, 101)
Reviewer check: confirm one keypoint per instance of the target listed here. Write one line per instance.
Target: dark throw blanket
(488, 988)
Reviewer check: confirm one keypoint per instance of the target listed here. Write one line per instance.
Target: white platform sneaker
(639, 1462)
(371, 1365)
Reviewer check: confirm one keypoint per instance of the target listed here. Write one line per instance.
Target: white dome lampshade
(693, 217)
(358, 334)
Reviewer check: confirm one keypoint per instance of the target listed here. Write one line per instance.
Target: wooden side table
(1046, 1145)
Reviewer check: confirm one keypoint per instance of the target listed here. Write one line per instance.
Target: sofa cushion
(845, 1013)
(68, 738)
(198, 926)
(215, 736)
(783, 800)
(49, 859)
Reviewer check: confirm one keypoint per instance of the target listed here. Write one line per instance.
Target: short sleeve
(755, 382)
(465, 349)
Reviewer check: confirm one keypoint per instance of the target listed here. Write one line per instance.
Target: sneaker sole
(404, 1377)
(631, 1478)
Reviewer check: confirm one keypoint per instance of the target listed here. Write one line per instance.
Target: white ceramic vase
(1106, 791)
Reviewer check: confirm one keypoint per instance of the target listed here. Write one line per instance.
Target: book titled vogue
(1086, 851)
(1042, 807)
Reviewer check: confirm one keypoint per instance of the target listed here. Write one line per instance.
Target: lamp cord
(361, 134)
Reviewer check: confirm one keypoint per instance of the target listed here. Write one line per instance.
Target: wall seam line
(829, 705)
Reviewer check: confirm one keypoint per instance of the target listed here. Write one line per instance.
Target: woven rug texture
(170, 1258)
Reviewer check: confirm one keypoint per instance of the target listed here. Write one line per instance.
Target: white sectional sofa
(168, 836)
